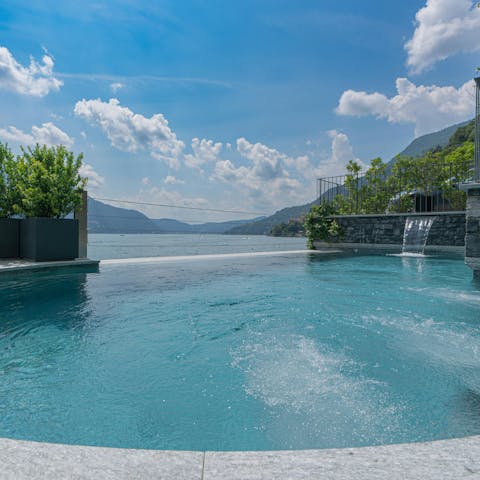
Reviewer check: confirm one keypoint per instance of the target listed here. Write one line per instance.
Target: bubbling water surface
(280, 352)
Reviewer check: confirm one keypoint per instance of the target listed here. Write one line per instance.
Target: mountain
(416, 148)
(103, 218)
(168, 225)
(421, 145)
(265, 225)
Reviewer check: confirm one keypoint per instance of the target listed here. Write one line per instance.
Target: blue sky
(226, 104)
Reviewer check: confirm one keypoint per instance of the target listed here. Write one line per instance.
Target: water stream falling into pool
(415, 235)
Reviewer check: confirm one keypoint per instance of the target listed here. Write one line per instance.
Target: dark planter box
(9, 237)
(48, 239)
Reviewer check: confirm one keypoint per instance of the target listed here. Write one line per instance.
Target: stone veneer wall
(472, 253)
(448, 229)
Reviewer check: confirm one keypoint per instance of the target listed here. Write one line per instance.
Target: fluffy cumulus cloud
(341, 153)
(47, 134)
(265, 179)
(132, 132)
(443, 28)
(429, 108)
(94, 179)
(204, 151)
(36, 80)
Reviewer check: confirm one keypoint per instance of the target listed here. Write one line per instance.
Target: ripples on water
(250, 353)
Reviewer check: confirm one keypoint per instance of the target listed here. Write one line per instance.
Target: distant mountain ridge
(168, 225)
(104, 218)
(416, 148)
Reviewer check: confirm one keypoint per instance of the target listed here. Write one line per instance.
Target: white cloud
(267, 162)
(265, 181)
(329, 163)
(204, 151)
(146, 181)
(36, 80)
(443, 29)
(94, 179)
(429, 108)
(116, 86)
(171, 180)
(131, 132)
(47, 134)
(341, 154)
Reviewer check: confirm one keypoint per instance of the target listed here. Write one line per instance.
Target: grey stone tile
(444, 460)
(30, 460)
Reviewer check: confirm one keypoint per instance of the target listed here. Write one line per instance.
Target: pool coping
(217, 256)
(441, 459)
(19, 265)
(22, 265)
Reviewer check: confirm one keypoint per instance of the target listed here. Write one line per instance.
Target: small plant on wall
(320, 226)
(49, 183)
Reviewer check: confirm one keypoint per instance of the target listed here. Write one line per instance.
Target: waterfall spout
(415, 235)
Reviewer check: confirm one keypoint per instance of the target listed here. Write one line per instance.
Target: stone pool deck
(440, 460)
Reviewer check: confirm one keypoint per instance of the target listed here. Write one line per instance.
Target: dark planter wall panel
(48, 239)
(9, 237)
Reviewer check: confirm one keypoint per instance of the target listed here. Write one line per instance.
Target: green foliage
(48, 181)
(292, 228)
(50, 184)
(462, 135)
(9, 194)
(319, 225)
(437, 174)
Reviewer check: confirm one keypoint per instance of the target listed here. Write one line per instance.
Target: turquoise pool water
(253, 353)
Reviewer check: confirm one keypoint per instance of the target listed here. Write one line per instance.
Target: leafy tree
(375, 192)
(462, 135)
(9, 194)
(348, 204)
(292, 228)
(49, 182)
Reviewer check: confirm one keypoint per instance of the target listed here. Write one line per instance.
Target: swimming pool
(281, 352)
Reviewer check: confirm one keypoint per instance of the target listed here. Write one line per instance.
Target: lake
(104, 246)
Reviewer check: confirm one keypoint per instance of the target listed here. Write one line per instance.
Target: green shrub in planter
(49, 182)
(50, 188)
(9, 193)
(9, 227)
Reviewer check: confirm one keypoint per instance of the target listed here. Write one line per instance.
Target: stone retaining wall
(448, 229)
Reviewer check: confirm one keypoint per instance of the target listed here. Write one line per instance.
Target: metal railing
(477, 132)
(432, 187)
